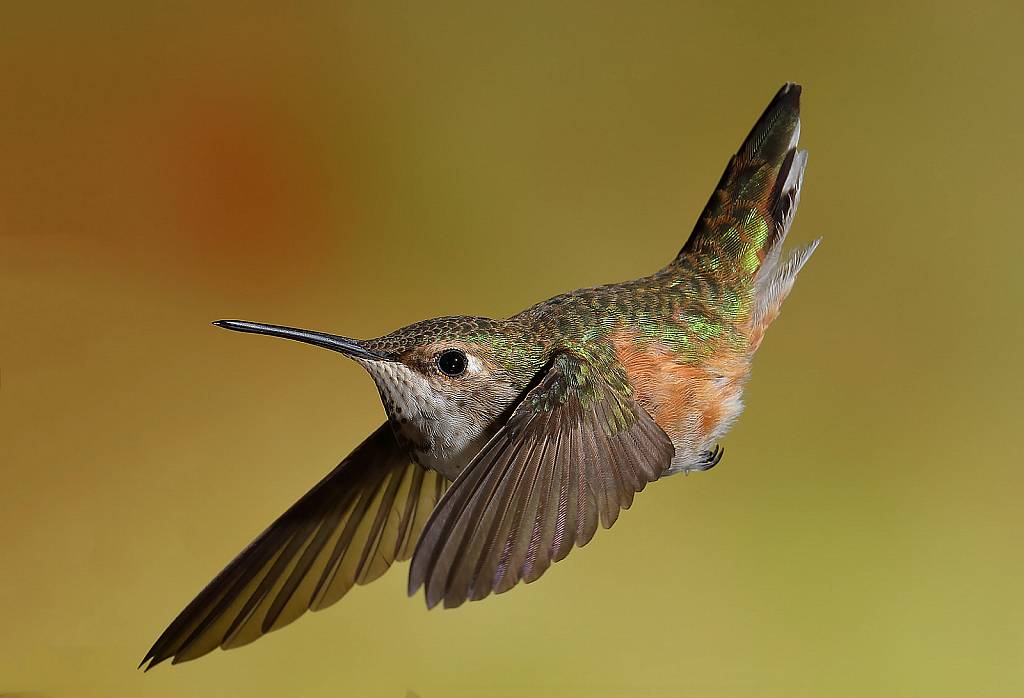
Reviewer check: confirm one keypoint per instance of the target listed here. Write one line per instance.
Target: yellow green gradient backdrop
(355, 168)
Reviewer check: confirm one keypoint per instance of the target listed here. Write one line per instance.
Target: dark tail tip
(770, 137)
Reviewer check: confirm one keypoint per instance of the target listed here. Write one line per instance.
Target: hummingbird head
(445, 383)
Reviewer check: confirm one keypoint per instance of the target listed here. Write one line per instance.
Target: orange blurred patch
(244, 193)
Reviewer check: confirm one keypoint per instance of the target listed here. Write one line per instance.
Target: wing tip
(157, 653)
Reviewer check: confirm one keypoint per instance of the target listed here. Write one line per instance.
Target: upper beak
(352, 348)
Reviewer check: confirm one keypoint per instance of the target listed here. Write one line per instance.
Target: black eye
(452, 362)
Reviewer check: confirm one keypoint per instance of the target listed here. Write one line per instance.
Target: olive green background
(353, 169)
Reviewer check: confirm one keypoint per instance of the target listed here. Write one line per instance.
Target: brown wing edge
(348, 529)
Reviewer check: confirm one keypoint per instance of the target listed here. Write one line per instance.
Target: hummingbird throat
(431, 425)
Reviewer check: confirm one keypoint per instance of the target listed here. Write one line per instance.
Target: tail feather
(783, 213)
(771, 288)
(739, 235)
(749, 213)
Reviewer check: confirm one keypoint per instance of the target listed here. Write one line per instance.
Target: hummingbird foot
(709, 461)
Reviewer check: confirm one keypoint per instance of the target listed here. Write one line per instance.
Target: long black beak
(352, 348)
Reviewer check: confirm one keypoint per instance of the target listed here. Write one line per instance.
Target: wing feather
(347, 530)
(570, 457)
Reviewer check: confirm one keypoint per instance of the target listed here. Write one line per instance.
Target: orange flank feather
(694, 404)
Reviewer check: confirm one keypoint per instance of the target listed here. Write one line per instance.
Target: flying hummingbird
(509, 441)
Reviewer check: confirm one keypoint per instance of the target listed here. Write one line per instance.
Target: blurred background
(354, 168)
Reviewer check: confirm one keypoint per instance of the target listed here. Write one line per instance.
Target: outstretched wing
(348, 529)
(575, 451)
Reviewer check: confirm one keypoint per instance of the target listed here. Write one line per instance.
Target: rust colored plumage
(548, 423)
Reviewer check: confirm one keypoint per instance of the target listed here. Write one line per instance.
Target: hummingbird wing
(573, 452)
(348, 529)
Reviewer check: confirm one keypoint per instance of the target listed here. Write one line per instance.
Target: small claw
(711, 459)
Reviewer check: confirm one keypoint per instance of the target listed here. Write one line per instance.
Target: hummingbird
(508, 442)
